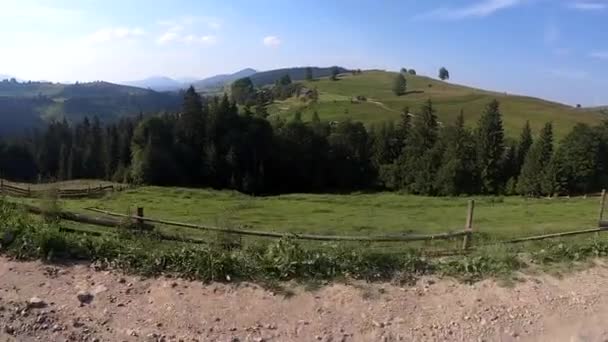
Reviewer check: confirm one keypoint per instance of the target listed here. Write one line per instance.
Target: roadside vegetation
(24, 237)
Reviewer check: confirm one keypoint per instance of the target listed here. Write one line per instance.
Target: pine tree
(535, 178)
(525, 142)
(457, 172)
(490, 149)
(62, 173)
(576, 161)
(403, 128)
(416, 166)
(400, 85)
(112, 157)
(191, 122)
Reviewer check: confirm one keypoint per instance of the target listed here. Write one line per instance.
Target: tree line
(212, 142)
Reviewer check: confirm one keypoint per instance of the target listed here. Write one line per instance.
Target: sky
(554, 49)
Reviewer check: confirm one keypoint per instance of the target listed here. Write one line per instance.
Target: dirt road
(77, 303)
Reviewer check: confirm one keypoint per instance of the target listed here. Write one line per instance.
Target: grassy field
(382, 105)
(223, 256)
(354, 214)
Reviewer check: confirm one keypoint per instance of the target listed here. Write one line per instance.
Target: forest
(215, 142)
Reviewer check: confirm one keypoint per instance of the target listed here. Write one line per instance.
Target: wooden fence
(89, 191)
(139, 221)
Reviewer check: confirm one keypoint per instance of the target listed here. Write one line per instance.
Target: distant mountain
(296, 74)
(187, 80)
(219, 81)
(31, 104)
(158, 83)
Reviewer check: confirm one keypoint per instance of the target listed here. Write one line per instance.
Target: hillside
(30, 104)
(218, 81)
(296, 74)
(382, 105)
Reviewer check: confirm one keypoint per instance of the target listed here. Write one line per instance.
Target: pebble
(36, 303)
(100, 289)
(84, 297)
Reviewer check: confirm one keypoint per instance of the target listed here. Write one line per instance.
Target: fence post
(466, 242)
(602, 204)
(2, 186)
(140, 222)
(29, 191)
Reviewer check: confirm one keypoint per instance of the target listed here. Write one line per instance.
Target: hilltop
(296, 74)
(219, 81)
(337, 101)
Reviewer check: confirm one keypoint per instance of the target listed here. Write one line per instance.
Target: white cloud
(175, 31)
(588, 5)
(199, 39)
(478, 9)
(115, 33)
(167, 37)
(599, 54)
(271, 41)
(175, 34)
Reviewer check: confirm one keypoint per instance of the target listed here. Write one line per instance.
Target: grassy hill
(382, 105)
(296, 74)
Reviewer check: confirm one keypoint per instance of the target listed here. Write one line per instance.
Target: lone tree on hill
(403, 70)
(400, 85)
(444, 74)
(412, 72)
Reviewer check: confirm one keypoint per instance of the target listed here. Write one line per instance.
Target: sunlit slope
(335, 103)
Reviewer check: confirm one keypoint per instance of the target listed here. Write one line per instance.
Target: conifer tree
(490, 149)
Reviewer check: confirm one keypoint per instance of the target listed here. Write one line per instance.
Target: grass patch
(270, 262)
(495, 218)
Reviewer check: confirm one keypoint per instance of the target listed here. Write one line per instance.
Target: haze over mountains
(217, 82)
(163, 83)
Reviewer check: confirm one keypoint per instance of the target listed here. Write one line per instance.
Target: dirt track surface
(126, 308)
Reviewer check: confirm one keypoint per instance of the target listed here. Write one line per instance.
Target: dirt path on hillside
(382, 105)
(40, 303)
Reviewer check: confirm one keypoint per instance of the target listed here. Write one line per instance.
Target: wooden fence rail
(405, 238)
(90, 191)
(141, 222)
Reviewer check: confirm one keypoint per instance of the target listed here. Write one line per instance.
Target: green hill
(296, 74)
(336, 103)
(30, 104)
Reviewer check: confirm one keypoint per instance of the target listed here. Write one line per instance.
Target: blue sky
(555, 49)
